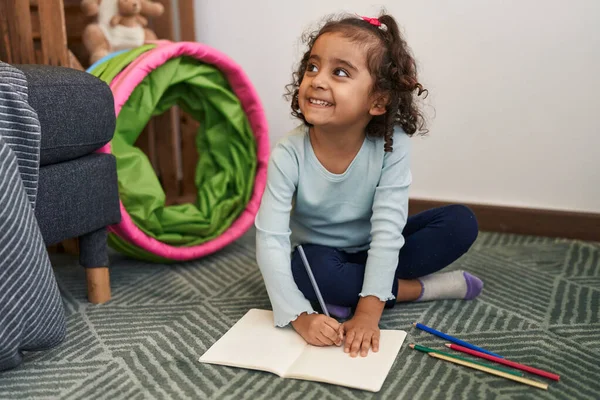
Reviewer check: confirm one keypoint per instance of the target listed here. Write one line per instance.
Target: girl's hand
(362, 332)
(318, 329)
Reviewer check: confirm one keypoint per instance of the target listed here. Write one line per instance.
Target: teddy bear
(129, 14)
(128, 30)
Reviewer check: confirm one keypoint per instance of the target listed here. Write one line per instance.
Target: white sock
(450, 285)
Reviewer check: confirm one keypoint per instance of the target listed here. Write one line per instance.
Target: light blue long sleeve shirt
(363, 208)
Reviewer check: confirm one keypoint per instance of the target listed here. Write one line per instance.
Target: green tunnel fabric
(107, 71)
(226, 168)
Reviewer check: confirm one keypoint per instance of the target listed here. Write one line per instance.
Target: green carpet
(540, 306)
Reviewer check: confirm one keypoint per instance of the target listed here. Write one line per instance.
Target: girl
(338, 185)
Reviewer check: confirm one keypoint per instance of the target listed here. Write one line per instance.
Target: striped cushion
(20, 127)
(31, 311)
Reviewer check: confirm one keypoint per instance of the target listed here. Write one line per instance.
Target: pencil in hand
(313, 281)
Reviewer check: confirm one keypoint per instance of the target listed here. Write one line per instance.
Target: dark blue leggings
(433, 240)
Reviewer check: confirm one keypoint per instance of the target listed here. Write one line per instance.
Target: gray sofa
(53, 186)
(77, 190)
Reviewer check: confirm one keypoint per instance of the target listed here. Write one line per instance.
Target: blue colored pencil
(453, 339)
(313, 280)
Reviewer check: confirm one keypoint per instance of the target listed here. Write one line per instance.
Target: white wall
(514, 85)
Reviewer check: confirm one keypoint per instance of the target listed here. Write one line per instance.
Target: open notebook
(254, 343)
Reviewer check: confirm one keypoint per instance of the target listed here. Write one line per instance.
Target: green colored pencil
(428, 350)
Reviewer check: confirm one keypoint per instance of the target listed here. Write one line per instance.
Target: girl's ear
(379, 104)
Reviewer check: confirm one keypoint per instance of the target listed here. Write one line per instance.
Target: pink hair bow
(372, 21)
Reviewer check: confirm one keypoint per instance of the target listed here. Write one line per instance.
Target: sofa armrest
(75, 109)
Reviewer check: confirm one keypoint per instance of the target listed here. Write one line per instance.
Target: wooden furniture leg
(93, 256)
(98, 284)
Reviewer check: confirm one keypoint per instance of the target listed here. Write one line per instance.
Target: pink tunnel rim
(123, 85)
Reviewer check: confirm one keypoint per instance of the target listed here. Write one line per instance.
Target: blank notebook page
(253, 342)
(332, 365)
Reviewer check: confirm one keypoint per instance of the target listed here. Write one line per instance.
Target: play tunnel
(232, 143)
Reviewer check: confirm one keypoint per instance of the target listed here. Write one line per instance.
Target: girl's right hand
(318, 329)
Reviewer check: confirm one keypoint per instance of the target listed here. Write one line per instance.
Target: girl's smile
(319, 103)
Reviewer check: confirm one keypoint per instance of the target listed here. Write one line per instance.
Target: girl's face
(336, 89)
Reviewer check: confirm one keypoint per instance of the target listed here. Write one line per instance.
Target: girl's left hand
(361, 333)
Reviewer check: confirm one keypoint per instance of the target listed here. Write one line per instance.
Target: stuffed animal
(129, 14)
(126, 31)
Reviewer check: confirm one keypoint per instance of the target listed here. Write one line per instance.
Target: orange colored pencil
(519, 379)
(504, 361)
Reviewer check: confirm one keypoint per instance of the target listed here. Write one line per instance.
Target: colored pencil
(509, 363)
(429, 350)
(313, 281)
(491, 371)
(453, 339)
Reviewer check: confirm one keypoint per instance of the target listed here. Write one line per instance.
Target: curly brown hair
(390, 64)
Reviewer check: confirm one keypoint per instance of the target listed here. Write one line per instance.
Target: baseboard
(526, 221)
